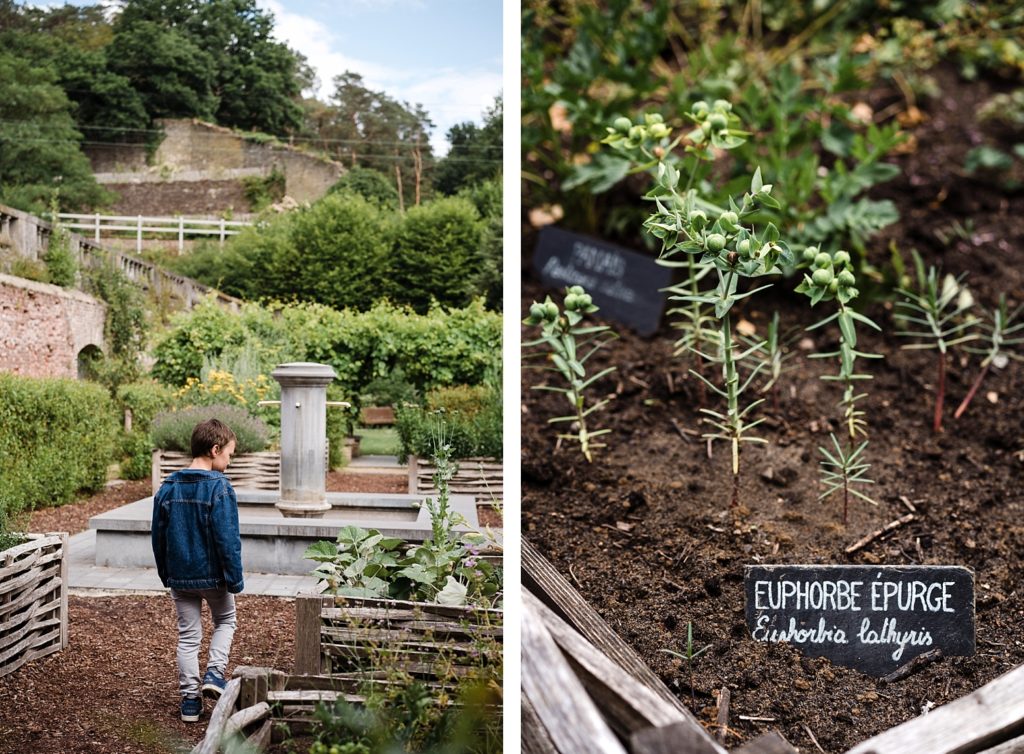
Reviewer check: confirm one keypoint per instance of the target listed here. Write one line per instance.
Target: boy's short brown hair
(209, 433)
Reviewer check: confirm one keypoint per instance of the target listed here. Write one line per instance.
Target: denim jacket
(196, 541)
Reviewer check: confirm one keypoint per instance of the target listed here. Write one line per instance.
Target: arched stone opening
(87, 359)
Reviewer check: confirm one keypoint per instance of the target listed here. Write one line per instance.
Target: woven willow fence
(480, 477)
(33, 600)
(350, 638)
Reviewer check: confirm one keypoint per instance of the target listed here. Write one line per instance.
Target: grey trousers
(189, 605)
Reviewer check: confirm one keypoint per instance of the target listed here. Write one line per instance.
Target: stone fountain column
(303, 438)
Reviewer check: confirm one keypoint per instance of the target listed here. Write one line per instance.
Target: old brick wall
(44, 328)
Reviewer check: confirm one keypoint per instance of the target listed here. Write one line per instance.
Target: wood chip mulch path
(114, 689)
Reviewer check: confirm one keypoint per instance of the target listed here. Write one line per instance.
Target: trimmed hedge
(440, 348)
(56, 439)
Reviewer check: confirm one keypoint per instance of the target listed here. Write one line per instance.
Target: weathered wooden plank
(260, 740)
(1013, 746)
(64, 590)
(471, 614)
(307, 634)
(541, 578)
(570, 718)
(28, 605)
(672, 739)
(218, 719)
(625, 702)
(35, 543)
(980, 720)
(32, 575)
(246, 717)
(768, 743)
(535, 738)
(310, 696)
(408, 633)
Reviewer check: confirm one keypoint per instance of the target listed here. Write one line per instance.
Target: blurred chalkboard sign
(625, 285)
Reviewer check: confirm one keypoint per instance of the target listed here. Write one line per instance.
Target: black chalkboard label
(625, 285)
(870, 618)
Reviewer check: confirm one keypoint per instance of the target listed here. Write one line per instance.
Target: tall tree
(39, 154)
(474, 154)
(365, 128)
(213, 59)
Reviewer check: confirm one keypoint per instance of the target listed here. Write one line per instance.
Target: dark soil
(683, 555)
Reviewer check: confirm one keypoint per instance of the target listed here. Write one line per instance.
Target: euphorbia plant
(843, 470)
(721, 239)
(568, 345)
(939, 314)
(832, 279)
(1002, 332)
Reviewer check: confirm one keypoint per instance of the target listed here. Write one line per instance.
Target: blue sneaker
(191, 708)
(213, 684)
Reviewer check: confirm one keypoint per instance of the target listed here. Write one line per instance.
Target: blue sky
(443, 54)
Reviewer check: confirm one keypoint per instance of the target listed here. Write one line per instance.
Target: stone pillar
(303, 438)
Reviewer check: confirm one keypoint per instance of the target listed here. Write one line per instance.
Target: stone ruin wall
(200, 168)
(44, 328)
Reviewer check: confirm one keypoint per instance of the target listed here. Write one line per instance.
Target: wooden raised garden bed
(351, 638)
(33, 600)
(250, 471)
(480, 477)
(260, 702)
(585, 689)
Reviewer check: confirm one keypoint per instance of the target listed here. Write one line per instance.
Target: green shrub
(372, 185)
(172, 430)
(60, 261)
(471, 416)
(136, 455)
(56, 439)
(263, 190)
(390, 390)
(436, 254)
(145, 399)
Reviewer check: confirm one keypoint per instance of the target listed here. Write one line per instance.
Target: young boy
(198, 553)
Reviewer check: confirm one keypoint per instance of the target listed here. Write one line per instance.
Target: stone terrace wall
(203, 162)
(44, 328)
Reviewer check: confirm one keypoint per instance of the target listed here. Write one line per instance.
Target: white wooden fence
(181, 227)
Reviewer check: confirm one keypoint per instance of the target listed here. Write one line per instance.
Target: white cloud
(450, 96)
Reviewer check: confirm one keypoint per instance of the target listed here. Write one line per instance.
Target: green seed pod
(729, 219)
(809, 254)
(551, 310)
(698, 218)
(537, 310)
(823, 260)
(743, 247)
(585, 300)
(571, 302)
(833, 287)
(706, 128)
(653, 118)
(822, 277)
(841, 259)
(659, 130)
(699, 108)
(846, 279)
(637, 132)
(722, 106)
(577, 289)
(718, 121)
(623, 124)
(715, 242)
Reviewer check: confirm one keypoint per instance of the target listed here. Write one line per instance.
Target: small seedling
(690, 656)
(843, 470)
(774, 353)
(561, 342)
(940, 315)
(1002, 332)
